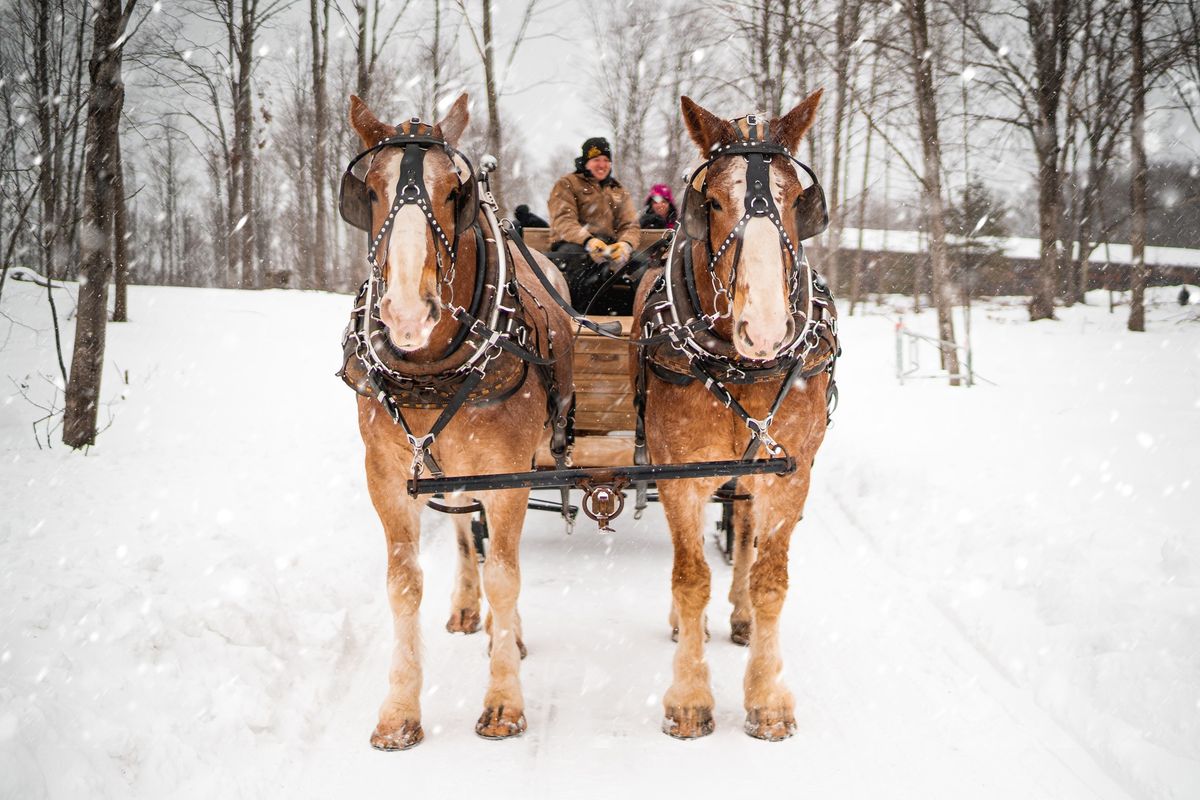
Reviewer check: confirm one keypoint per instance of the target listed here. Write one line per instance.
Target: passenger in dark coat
(660, 209)
(527, 219)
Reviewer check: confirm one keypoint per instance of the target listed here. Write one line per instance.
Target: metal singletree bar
(617, 476)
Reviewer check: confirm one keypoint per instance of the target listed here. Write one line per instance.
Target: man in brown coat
(592, 217)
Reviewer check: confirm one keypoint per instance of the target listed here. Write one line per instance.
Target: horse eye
(371, 195)
(714, 205)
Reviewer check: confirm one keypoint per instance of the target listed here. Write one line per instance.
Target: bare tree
(105, 100)
(847, 30)
(1185, 70)
(1035, 92)
(628, 73)
(43, 58)
(319, 28)
(1137, 146)
(120, 243)
(859, 263)
(369, 41)
(493, 80)
(921, 65)
(222, 76)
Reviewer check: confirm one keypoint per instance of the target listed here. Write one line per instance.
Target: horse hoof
(464, 621)
(740, 633)
(688, 723)
(770, 725)
(408, 735)
(500, 723)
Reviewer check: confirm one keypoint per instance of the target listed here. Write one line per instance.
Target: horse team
(427, 256)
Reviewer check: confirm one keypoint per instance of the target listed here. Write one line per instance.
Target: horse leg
(399, 725)
(769, 705)
(688, 703)
(743, 559)
(464, 601)
(503, 704)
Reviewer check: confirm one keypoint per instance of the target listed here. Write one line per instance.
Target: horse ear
(367, 125)
(455, 121)
(706, 128)
(792, 126)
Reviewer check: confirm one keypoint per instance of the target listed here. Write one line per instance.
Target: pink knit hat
(663, 191)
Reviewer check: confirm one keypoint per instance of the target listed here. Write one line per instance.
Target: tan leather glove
(597, 249)
(619, 253)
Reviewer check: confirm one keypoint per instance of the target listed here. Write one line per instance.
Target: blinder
(810, 212)
(354, 201)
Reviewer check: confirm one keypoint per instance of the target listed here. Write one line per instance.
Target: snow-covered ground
(995, 591)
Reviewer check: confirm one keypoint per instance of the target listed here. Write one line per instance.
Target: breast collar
(372, 364)
(811, 303)
(672, 303)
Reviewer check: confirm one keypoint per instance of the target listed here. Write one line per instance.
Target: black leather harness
(500, 336)
(674, 304)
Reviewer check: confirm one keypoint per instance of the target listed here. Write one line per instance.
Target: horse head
(750, 205)
(421, 197)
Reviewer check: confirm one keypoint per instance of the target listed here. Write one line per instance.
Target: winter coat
(582, 207)
(650, 220)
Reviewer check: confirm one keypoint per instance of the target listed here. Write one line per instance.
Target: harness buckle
(718, 313)
(420, 447)
(492, 343)
(759, 429)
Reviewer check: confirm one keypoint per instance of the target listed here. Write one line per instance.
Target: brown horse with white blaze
(428, 259)
(750, 298)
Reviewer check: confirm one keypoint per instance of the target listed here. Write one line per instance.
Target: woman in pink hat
(660, 208)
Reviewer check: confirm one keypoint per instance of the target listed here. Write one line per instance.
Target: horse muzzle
(409, 328)
(761, 340)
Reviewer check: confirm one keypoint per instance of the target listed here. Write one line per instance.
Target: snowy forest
(1046, 118)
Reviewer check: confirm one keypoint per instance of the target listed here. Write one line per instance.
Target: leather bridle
(810, 214)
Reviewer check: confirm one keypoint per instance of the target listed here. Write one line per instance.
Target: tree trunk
(1137, 142)
(106, 99)
(932, 149)
(41, 79)
(320, 50)
(860, 259)
(120, 245)
(845, 32)
(489, 75)
(363, 82)
(1041, 304)
(244, 127)
(435, 61)
(1050, 36)
(1088, 219)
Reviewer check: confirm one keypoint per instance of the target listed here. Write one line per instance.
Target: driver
(592, 220)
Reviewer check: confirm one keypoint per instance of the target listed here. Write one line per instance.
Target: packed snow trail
(890, 700)
(995, 593)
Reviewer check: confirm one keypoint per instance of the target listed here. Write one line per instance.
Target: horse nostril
(435, 311)
(741, 331)
(789, 332)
